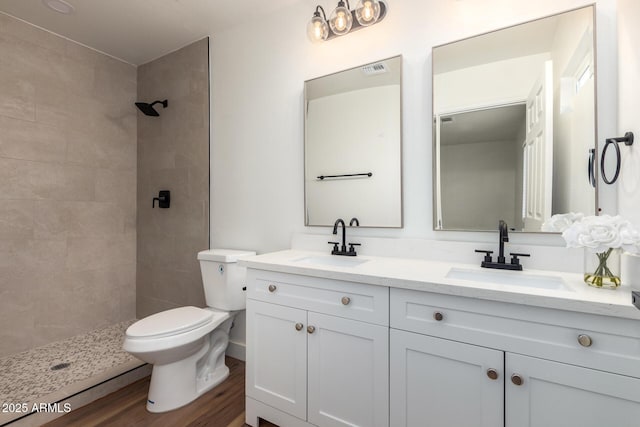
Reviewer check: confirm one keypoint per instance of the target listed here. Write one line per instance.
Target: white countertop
(431, 276)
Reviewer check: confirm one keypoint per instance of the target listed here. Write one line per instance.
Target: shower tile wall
(173, 154)
(67, 188)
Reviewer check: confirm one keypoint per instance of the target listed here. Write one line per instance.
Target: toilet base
(176, 384)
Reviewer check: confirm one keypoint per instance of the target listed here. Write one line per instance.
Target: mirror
(515, 125)
(353, 146)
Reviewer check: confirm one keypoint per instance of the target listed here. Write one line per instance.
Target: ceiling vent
(377, 68)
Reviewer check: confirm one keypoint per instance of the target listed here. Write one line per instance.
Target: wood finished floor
(221, 407)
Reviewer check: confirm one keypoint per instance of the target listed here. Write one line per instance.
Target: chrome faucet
(501, 263)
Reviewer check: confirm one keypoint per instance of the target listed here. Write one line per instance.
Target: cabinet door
(553, 394)
(441, 383)
(276, 368)
(348, 372)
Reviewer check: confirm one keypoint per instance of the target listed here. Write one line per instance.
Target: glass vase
(602, 269)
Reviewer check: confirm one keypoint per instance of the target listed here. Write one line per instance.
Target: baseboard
(237, 350)
(256, 410)
(83, 398)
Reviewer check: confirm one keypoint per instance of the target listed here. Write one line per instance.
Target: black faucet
(339, 221)
(343, 248)
(501, 263)
(504, 238)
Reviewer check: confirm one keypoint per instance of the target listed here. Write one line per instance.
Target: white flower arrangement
(560, 222)
(600, 233)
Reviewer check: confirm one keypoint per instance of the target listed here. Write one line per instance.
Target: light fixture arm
(317, 13)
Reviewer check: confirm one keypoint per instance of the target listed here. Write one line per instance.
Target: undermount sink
(331, 260)
(509, 278)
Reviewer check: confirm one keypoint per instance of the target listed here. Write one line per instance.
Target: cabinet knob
(492, 373)
(345, 300)
(272, 288)
(311, 329)
(438, 316)
(299, 326)
(585, 340)
(516, 379)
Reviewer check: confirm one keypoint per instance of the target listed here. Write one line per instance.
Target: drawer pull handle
(345, 300)
(311, 329)
(438, 316)
(517, 379)
(299, 326)
(272, 288)
(492, 373)
(585, 340)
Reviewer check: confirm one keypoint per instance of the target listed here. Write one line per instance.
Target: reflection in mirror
(514, 123)
(353, 146)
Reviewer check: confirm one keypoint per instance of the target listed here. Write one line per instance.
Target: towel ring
(591, 167)
(628, 140)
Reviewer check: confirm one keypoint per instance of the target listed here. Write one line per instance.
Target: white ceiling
(138, 31)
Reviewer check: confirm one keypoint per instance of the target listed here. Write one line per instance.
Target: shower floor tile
(27, 377)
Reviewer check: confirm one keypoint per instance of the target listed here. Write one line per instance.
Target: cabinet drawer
(367, 303)
(599, 342)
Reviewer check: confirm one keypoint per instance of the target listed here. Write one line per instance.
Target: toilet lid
(170, 322)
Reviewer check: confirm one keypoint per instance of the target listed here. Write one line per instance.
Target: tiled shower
(81, 249)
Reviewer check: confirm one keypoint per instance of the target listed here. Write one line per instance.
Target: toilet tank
(223, 279)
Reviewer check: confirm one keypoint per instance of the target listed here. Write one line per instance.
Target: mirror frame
(595, 113)
(400, 148)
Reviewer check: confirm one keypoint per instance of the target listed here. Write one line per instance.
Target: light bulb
(367, 12)
(317, 30)
(341, 19)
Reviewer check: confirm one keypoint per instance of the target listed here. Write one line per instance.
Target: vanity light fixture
(344, 20)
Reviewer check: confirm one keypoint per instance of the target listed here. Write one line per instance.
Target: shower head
(148, 109)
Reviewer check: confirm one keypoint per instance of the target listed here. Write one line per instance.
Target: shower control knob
(272, 288)
(299, 326)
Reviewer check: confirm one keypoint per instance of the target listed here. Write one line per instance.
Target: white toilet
(187, 345)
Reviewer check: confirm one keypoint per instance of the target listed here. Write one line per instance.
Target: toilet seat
(166, 335)
(170, 322)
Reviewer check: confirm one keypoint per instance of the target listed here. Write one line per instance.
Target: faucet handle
(487, 255)
(351, 247)
(514, 258)
(335, 247)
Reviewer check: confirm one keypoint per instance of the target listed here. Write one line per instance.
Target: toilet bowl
(187, 345)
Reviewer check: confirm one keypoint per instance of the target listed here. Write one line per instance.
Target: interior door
(538, 152)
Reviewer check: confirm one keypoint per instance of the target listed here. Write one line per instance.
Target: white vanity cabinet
(457, 361)
(317, 351)
(438, 382)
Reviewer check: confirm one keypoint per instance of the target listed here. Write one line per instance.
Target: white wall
(490, 198)
(354, 132)
(573, 127)
(485, 85)
(629, 108)
(258, 70)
